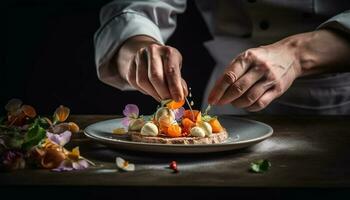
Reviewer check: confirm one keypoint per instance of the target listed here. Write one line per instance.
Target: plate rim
(126, 142)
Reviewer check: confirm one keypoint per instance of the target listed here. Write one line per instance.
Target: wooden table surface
(305, 152)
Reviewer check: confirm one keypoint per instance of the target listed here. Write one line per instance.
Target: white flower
(124, 165)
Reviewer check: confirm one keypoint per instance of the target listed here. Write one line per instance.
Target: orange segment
(174, 130)
(195, 116)
(175, 104)
(215, 125)
(187, 124)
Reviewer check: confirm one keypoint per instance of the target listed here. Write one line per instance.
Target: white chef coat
(236, 25)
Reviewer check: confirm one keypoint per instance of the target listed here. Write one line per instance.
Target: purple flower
(179, 113)
(131, 111)
(69, 165)
(12, 160)
(60, 139)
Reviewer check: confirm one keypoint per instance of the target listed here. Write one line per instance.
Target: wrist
(320, 51)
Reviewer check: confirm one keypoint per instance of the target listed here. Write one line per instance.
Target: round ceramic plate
(242, 133)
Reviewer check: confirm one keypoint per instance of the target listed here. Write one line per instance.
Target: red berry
(173, 166)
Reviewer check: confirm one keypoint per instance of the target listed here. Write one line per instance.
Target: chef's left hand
(260, 75)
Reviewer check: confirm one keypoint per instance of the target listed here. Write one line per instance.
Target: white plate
(242, 133)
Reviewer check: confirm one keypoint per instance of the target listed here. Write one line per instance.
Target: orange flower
(175, 104)
(28, 111)
(73, 127)
(61, 113)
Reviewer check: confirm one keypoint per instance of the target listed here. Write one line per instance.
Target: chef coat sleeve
(340, 22)
(122, 19)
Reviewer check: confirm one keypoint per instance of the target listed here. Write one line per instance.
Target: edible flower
(18, 114)
(179, 113)
(124, 165)
(131, 112)
(60, 139)
(73, 161)
(61, 114)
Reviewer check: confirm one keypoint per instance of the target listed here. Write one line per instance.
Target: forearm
(320, 51)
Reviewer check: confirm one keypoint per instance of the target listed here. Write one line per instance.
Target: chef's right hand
(152, 68)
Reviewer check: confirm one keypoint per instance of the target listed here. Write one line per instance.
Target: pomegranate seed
(173, 166)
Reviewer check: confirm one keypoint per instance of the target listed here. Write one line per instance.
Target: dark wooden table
(308, 153)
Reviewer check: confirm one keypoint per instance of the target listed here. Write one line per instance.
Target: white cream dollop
(163, 111)
(136, 124)
(149, 129)
(206, 127)
(197, 132)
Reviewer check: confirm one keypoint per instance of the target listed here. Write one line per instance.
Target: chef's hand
(259, 75)
(152, 68)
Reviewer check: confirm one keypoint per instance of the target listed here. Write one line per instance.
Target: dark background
(47, 57)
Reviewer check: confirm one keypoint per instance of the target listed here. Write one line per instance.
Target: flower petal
(60, 139)
(61, 113)
(81, 164)
(131, 110)
(124, 165)
(66, 165)
(179, 113)
(126, 122)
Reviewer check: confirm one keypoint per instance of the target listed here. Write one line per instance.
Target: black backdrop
(47, 57)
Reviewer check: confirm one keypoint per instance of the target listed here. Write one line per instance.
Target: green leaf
(34, 135)
(260, 166)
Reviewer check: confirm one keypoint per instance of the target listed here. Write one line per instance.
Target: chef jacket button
(264, 24)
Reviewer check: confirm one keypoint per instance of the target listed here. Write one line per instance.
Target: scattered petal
(61, 113)
(28, 111)
(12, 160)
(80, 164)
(52, 158)
(66, 165)
(73, 127)
(179, 113)
(131, 110)
(60, 139)
(75, 154)
(124, 165)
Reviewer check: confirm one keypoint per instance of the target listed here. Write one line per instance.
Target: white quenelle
(149, 129)
(197, 132)
(206, 127)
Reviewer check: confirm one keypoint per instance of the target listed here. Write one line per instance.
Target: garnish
(260, 166)
(124, 165)
(131, 113)
(119, 131)
(28, 138)
(173, 166)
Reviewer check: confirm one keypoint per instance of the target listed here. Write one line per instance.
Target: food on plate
(173, 124)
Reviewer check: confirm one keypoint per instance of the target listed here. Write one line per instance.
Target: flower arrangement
(29, 140)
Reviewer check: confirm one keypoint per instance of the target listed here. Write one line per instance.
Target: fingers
(236, 69)
(172, 64)
(155, 71)
(184, 87)
(238, 88)
(141, 75)
(252, 95)
(264, 100)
